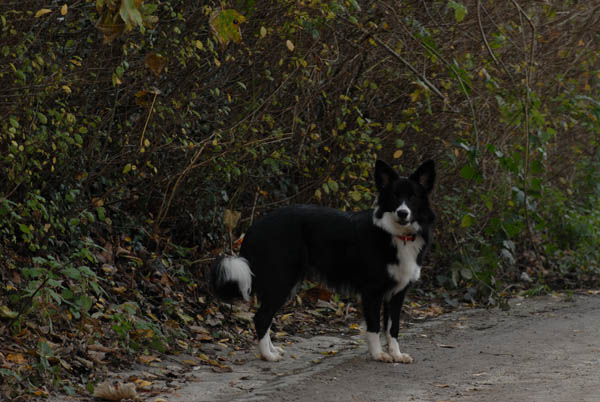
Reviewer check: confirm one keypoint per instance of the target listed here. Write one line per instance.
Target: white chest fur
(406, 270)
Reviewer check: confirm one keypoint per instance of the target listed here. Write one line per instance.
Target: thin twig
(26, 306)
(392, 52)
(528, 73)
(147, 120)
(165, 205)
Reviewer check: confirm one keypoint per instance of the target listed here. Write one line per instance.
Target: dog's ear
(425, 175)
(384, 174)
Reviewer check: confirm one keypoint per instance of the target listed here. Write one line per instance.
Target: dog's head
(403, 202)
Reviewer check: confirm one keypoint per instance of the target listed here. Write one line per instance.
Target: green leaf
(25, 229)
(225, 24)
(13, 121)
(467, 221)
(460, 11)
(71, 272)
(42, 118)
(468, 172)
(130, 14)
(356, 195)
(7, 313)
(466, 273)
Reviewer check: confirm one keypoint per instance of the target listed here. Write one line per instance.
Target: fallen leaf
(16, 358)
(100, 348)
(222, 369)
(40, 392)
(144, 359)
(143, 383)
(115, 392)
(97, 357)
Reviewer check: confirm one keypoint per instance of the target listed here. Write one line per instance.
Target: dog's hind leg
(262, 322)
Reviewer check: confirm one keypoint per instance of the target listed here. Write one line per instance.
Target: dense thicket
(128, 130)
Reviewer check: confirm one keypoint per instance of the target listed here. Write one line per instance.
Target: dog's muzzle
(403, 216)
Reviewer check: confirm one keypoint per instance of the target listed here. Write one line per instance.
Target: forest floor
(543, 348)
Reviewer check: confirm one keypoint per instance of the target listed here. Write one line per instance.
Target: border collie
(376, 253)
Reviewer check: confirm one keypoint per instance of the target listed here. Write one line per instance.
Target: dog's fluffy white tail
(231, 277)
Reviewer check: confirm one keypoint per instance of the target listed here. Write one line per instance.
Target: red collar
(405, 238)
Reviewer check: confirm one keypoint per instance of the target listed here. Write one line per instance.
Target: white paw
(267, 351)
(394, 350)
(402, 358)
(383, 357)
(271, 357)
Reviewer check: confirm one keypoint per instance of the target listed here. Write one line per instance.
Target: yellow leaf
(231, 219)
(7, 312)
(40, 392)
(225, 24)
(199, 45)
(415, 95)
(16, 358)
(66, 89)
(148, 359)
(263, 32)
(289, 45)
(42, 11)
(64, 9)
(143, 383)
(398, 154)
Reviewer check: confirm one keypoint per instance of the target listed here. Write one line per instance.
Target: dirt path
(542, 349)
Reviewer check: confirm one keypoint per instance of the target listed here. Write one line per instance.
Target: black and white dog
(375, 253)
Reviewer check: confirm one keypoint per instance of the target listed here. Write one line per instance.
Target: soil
(542, 349)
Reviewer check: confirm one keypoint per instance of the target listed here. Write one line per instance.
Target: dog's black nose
(402, 214)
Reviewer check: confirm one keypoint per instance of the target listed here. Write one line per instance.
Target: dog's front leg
(393, 326)
(372, 311)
